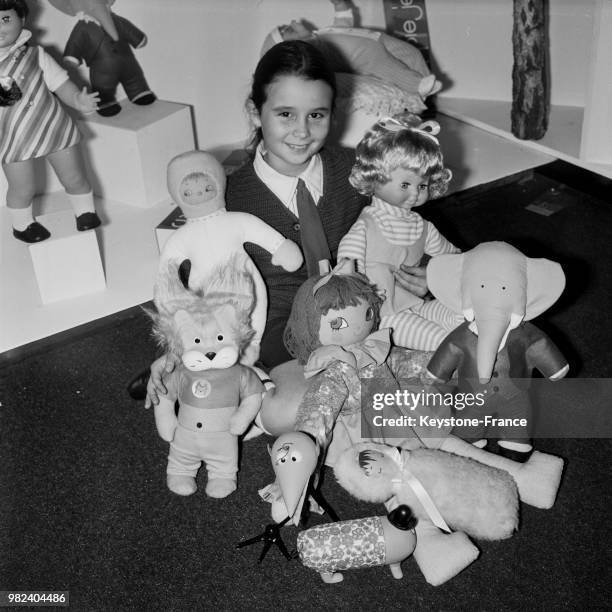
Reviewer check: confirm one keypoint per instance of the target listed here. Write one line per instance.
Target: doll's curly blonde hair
(383, 150)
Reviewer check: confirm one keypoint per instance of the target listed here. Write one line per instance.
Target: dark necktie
(314, 241)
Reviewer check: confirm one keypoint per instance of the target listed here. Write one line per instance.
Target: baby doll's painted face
(10, 28)
(406, 189)
(198, 188)
(346, 326)
(376, 464)
(296, 30)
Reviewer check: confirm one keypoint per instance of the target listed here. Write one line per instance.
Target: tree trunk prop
(530, 103)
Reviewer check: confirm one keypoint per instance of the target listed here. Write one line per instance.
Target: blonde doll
(401, 166)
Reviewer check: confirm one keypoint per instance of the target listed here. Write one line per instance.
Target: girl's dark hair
(20, 7)
(288, 58)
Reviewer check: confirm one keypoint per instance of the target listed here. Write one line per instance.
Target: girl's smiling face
(10, 28)
(294, 120)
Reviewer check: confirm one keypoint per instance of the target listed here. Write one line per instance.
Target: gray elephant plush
(494, 352)
(104, 41)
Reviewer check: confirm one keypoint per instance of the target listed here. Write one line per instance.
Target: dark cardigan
(338, 207)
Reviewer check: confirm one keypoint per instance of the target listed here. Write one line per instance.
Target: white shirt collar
(282, 186)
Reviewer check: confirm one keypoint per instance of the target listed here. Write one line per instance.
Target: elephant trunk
(491, 334)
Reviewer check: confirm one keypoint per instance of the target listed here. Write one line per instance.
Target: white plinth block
(68, 264)
(127, 155)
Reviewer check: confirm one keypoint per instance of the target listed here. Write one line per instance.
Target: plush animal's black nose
(210, 355)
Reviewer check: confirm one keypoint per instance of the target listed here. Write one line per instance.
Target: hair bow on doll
(427, 128)
(344, 266)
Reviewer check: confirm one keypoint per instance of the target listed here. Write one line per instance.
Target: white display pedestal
(68, 264)
(127, 155)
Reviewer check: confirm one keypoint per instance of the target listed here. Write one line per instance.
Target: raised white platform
(129, 248)
(145, 139)
(68, 264)
(129, 255)
(562, 140)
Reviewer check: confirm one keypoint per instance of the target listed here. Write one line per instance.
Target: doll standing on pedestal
(104, 42)
(33, 124)
(401, 166)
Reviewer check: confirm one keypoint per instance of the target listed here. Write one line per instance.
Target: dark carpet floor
(83, 502)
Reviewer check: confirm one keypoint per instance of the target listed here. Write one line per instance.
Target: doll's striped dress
(36, 125)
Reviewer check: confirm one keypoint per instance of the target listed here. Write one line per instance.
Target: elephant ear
(545, 284)
(444, 274)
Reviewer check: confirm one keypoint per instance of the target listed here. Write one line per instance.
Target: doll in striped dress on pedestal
(33, 124)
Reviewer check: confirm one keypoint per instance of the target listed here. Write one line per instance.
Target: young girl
(33, 124)
(290, 106)
(401, 166)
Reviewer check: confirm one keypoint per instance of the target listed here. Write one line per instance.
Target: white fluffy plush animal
(452, 496)
(477, 499)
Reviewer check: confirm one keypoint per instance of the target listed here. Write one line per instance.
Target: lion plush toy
(218, 397)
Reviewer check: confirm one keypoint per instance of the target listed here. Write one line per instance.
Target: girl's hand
(412, 278)
(86, 102)
(164, 365)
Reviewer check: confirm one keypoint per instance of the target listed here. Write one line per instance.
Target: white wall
(203, 52)
(472, 47)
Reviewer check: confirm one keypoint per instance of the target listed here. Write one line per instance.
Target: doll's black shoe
(35, 232)
(109, 110)
(145, 99)
(87, 221)
(137, 387)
